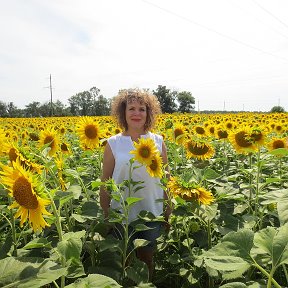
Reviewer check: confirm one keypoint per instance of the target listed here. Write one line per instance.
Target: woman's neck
(134, 134)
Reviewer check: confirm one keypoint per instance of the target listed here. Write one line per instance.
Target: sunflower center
(49, 139)
(229, 125)
(12, 155)
(144, 152)
(177, 132)
(153, 166)
(200, 130)
(278, 128)
(22, 192)
(91, 131)
(198, 150)
(212, 130)
(33, 136)
(256, 136)
(241, 139)
(64, 147)
(222, 134)
(278, 144)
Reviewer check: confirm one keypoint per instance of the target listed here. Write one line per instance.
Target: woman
(135, 111)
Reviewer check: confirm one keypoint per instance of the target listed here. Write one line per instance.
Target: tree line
(93, 103)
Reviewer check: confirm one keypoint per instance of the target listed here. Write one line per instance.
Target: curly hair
(119, 103)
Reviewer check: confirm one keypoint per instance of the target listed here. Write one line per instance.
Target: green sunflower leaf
(95, 280)
(29, 272)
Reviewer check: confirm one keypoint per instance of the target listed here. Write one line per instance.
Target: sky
(230, 54)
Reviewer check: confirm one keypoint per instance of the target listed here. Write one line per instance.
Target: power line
(272, 15)
(260, 21)
(215, 31)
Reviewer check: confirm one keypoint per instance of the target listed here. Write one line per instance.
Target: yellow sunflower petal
(155, 168)
(144, 151)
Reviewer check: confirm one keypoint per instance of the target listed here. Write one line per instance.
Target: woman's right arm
(107, 171)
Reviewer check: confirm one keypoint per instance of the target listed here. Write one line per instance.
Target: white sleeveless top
(121, 146)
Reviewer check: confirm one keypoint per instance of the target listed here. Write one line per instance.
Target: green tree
(59, 108)
(95, 93)
(45, 109)
(277, 109)
(103, 106)
(81, 104)
(33, 109)
(186, 101)
(3, 109)
(12, 110)
(166, 99)
(89, 103)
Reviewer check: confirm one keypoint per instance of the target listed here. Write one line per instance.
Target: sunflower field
(228, 188)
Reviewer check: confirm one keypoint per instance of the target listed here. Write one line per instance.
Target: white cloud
(227, 53)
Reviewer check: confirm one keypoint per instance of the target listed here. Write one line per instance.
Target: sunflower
(199, 149)
(204, 196)
(155, 168)
(65, 148)
(14, 152)
(221, 132)
(258, 136)
(242, 141)
(88, 132)
(229, 125)
(25, 188)
(211, 129)
(189, 191)
(60, 167)
(276, 143)
(3, 141)
(62, 130)
(278, 128)
(179, 133)
(50, 138)
(33, 136)
(199, 130)
(168, 124)
(144, 151)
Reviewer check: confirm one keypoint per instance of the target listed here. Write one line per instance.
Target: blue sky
(229, 54)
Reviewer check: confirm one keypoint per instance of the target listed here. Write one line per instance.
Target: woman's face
(136, 115)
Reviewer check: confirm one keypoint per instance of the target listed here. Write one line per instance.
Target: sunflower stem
(280, 168)
(269, 276)
(13, 231)
(250, 183)
(125, 226)
(67, 216)
(285, 272)
(226, 157)
(184, 223)
(55, 283)
(257, 183)
(84, 188)
(14, 237)
(60, 234)
(209, 234)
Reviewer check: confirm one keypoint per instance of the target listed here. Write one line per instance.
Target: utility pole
(51, 101)
(51, 96)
